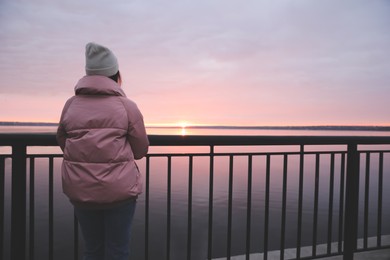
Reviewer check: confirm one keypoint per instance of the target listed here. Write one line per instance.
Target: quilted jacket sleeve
(61, 132)
(136, 135)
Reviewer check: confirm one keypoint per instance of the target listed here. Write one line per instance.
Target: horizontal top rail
(49, 139)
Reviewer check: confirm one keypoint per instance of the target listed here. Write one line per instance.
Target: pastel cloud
(222, 62)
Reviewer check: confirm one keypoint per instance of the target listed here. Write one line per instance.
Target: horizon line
(254, 127)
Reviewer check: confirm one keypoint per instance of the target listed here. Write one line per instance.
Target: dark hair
(116, 77)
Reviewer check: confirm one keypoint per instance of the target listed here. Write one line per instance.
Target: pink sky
(220, 62)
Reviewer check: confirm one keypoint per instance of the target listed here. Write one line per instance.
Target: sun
(183, 126)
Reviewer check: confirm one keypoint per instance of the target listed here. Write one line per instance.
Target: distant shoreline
(318, 127)
(27, 124)
(323, 127)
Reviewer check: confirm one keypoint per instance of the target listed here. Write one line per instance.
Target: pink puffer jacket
(101, 133)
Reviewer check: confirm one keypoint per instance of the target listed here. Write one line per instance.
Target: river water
(63, 212)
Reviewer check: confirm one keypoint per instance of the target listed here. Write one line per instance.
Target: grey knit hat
(100, 60)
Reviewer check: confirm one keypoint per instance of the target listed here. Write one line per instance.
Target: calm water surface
(63, 212)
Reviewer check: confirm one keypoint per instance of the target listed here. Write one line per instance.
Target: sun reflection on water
(183, 131)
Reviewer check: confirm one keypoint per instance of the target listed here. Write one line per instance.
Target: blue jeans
(106, 232)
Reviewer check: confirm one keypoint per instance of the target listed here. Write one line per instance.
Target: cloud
(312, 51)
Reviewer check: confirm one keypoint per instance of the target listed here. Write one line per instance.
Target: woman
(102, 133)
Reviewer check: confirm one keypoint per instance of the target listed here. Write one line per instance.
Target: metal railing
(349, 173)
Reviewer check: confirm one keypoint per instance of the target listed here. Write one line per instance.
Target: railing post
(211, 198)
(2, 173)
(351, 202)
(18, 207)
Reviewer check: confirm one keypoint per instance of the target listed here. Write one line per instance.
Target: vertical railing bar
(351, 201)
(51, 183)
(189, 229)
(380, 192)
(169, 195)
(341, 206)
(330, 207)
(2, 177)
(366, 199)
(169, 198)
(300, 200)
(316, 193)
(211, 195)
(147, 179)
(230, 206)
(75, 237)
(284, 202)
(18, 202)
(266, 210)
(249, 209)
(32, 209)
